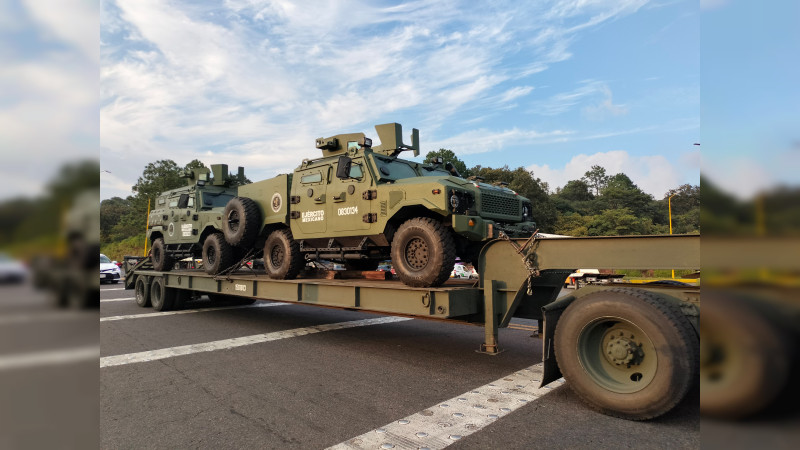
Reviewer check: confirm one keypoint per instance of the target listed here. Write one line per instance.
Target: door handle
(340, 198)
(320, 199)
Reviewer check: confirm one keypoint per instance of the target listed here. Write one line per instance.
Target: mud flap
(551, 313)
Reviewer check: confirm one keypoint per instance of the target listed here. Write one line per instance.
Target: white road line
(225, 344)
(43, 317)
(50, 357)
(445, 423)
(189, 311)
(117, 299)
(112, 289)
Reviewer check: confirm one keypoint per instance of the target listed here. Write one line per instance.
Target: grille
(499, 204)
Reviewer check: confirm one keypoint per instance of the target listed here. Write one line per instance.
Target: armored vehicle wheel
(242, 222)
(423, 252)
(282, 257)
(162, 261)
(627, 353)
(142, 292)
(362, 264)
(217, 254)
(161, 297)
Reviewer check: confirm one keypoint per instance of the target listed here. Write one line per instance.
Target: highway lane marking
(117, 299)
(189, 311)
(451, 420)
(43, 317)
(225, 344)
(49, 357)
(113, 289)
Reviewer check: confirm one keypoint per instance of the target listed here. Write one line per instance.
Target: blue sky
(554, 86)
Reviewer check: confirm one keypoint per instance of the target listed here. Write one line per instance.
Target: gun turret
(391, 136)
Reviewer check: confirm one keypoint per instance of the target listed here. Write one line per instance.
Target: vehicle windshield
(215, 199)
(104, 259)
(432, 171)
(394, 169)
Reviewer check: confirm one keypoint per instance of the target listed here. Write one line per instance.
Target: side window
(311, 178)
(173, 202)
(190, 204)
(356, 171)
(162, 201)
(352, 144)
(183, 201)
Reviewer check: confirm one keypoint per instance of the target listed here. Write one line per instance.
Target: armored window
(173, 203)
(162, 200)
(311, 178)
(352, 144)
(356, 171)
(190, 204)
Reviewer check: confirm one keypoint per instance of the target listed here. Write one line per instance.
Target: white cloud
(483, 140)
(654, 174)
(70, 21)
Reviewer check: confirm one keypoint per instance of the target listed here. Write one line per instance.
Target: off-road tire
(668, 337)
(241, 222)
(162, 261)
(282, 257)
(161, 297)
(423, 252)
(217, 254)
(364, 265)
(142, 289)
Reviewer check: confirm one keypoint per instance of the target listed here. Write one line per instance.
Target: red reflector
(437, 191)
(471, 223)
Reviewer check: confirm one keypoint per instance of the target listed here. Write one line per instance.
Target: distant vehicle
(109, 270)
(461, 271)
(11, 270)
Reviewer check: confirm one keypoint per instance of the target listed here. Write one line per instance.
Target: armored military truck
(187, 222)
(362, 204)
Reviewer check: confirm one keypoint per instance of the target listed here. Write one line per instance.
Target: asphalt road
(299, 379)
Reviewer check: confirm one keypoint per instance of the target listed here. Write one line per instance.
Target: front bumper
(109, 276)
(484, 229)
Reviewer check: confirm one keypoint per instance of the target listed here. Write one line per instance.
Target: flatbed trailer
(627, 351)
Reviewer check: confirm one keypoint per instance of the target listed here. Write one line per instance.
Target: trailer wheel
(142, 292)
(627, 353)
(742, 371)
(242, 222)
(423, 252)
(161, 297)
(162, 261)
(282, 257)
(217, 254)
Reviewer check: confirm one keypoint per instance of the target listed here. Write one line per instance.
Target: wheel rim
(211, 255)
(617, 355)
(233, 221)
(417, 253)
(276, 256)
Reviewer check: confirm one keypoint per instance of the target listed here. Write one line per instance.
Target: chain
(226, 273)
(528, 256)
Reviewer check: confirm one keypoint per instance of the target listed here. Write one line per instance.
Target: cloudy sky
(554, 86)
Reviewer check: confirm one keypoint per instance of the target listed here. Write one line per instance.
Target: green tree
(573, 224)
(619, 222)
(111, 212)
(620, 192)
(576, 191)
(449, 156)
(596, 178)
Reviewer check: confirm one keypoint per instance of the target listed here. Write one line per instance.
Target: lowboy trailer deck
(631, 352)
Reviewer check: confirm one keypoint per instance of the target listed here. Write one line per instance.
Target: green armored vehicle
(362, 204)
(187, 222)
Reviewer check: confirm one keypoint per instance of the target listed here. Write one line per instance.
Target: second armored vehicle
(362, 204)
(187, 222)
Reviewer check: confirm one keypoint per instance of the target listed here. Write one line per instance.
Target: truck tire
(162, 261)
(217, 254)
(282, 257)
(242, 222)
(423, 252)
(142, 288)
(741, 372)
(627, 353)
(161, 297)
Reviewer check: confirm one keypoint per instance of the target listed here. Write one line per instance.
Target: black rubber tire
(423, 252)
(674, 344)
(162, 261)
(161, 297)
(742, 372)
(282, 257)
(218, 255)
(242, 222)
(142, 290)
(364, 265)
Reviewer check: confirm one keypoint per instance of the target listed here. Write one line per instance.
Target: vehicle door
(186, 218)
(308, 187)
(347, 206)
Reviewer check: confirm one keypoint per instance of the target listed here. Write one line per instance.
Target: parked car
(11, 270)
(109, 270)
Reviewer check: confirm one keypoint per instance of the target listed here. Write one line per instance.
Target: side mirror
(183, 201)
(343, 167)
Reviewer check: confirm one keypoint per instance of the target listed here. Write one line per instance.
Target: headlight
(460, 201)
(526, 211)
(454, 202)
